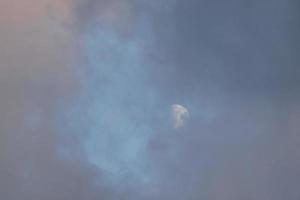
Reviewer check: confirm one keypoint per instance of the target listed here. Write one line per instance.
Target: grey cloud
(35, 74)
(233, 64)
(239, 46)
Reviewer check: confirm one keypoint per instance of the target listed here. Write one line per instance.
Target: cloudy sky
(143, 100)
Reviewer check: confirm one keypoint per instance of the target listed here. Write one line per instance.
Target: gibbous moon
(180, 115)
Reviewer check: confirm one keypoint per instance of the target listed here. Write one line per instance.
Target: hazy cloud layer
(86, 89)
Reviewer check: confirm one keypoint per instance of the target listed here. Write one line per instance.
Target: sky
(88, 90)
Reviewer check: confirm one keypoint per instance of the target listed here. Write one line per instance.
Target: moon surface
(180, 115)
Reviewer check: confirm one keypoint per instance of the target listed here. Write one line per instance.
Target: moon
(180, 115)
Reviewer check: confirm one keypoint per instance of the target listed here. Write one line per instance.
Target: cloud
(35, 74)
(86, 86)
